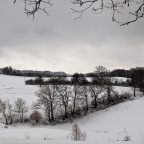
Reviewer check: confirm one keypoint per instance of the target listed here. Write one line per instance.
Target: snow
(106, 126)
(121, 89)
(109, 126)
(121, 79)
(12, 87)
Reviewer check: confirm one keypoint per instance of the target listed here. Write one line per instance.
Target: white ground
(102, 127)
(120, 79)
(12, 87)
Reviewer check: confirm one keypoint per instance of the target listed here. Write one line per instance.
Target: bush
(126, 95)
(79, 111)
(26, 120)
(76, 133)
(36, 116)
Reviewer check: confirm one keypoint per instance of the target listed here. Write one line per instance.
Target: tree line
(114, 73)
(61, 103)
(135, 78)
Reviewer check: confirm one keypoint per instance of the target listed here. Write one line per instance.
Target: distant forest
(30, 73)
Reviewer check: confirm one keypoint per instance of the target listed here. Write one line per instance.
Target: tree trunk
(66, 112)
(86, 100)
(52, 116)
(74, 103)
(134, 91)
(87, 105)
(6, 120)
(95, 102)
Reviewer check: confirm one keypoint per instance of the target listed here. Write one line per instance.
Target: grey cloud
(58, 42)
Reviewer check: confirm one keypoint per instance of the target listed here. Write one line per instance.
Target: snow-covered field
(109, 126)
(12, 87)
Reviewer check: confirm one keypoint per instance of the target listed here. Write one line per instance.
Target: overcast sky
(60, 43)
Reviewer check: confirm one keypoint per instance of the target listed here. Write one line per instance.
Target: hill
(113, 125)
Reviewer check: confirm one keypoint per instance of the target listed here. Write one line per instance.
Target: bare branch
(117, 7)
(33, 6)
(137, 15)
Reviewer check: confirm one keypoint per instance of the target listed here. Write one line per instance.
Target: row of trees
(30, 73)
(17, 112)
(61, 103)
(68, 101)
(59, 80)
(9, 112)
(76, 79)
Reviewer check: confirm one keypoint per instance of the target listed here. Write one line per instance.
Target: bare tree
(76, 93)
(134, 82)
(64, 91)
(100, 73)
(85, 94)
(95, 91)
(48, 100)
(20, 108)
(77, 134)
(98, 83)
(109, 88)
(6, 110)
(40, 105)
(137, 80)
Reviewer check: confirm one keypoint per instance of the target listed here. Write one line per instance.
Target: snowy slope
(12, 87)
(102, 127)
(107, 126)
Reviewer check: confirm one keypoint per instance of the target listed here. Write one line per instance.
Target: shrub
(79, 111)
(126, 138)
(76, 133)
(36, 116)
(126, 95)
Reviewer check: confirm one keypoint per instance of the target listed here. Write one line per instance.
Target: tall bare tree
(65, 93)
(6, 110)
(47, 100)
(95, 91)
(76, 94)
(98, 82)
(20, 108)
(109, 88)
(85, 94)
(137, 79)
